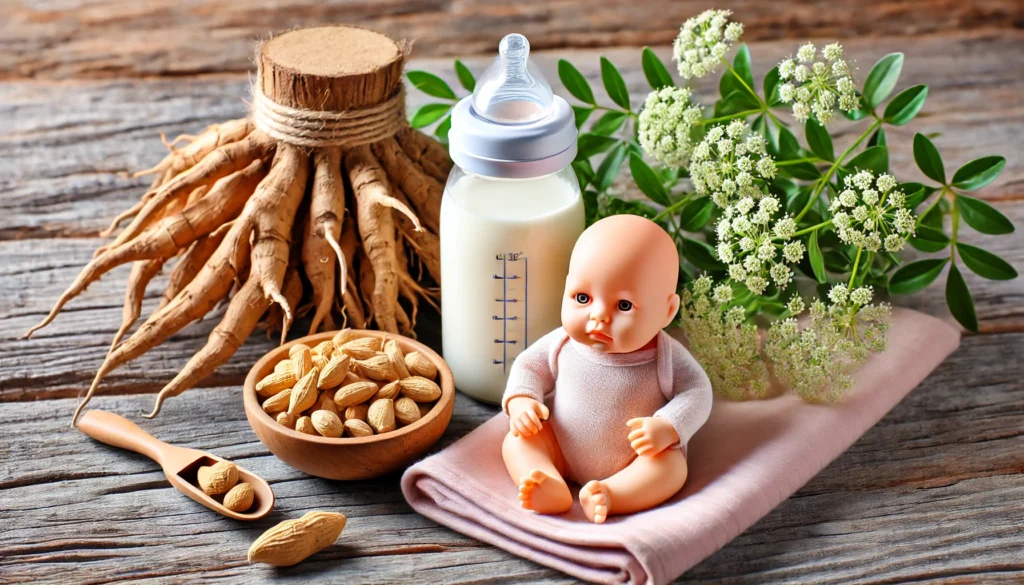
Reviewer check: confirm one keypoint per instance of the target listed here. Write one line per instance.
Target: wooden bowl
(350, 457)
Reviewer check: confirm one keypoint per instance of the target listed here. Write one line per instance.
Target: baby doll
(608, 400)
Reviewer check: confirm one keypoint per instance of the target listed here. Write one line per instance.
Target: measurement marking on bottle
(513, 273)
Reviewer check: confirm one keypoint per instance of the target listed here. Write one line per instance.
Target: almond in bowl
(351, 404)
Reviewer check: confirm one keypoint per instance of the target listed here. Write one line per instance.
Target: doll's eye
(582, 298)
(625, 306)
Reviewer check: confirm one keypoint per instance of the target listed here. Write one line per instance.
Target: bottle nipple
(511, 91)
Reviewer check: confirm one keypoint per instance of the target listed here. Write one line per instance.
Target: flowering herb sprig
(762, 217)
(817, 86)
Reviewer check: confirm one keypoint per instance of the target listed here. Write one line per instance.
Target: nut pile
(221, 478)
(349, 386)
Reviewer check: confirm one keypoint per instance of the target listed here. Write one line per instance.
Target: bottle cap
(513, 126)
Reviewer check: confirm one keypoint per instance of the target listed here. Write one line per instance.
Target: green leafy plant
(764, 220)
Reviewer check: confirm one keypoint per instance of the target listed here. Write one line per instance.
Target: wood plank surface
(64, 147)
(127, 38)
(930, 494)
(936, 483)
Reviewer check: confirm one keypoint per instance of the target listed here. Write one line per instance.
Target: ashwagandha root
(265, 228)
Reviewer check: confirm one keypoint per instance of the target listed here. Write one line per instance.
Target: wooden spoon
(180, 465)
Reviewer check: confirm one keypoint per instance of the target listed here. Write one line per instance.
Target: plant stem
(956, 227)
(743, 114)
(620, 111)
(856, 261)
(828, 174)
(932, 205)
(674, 207)
(810, 159)
(813, 228)
(744, 84)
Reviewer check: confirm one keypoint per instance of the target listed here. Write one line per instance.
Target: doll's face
(620, 290)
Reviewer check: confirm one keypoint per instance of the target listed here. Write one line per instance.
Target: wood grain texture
(931, 494)
(64, 147)
(125, 38)
(936, 483)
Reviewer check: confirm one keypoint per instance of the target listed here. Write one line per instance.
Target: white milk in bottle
(510, 216)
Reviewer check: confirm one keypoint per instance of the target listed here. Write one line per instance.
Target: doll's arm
(690, 406)
(532, 375)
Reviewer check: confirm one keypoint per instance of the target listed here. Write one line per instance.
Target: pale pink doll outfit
(592, 394)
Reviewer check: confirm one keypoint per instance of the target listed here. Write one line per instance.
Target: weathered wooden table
(932, 493)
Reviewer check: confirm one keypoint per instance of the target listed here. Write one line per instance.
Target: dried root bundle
(273, 229)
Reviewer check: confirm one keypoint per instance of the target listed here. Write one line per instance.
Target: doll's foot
(596, 501)
(544, 494)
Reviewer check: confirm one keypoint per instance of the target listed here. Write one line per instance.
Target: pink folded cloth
(748, 458)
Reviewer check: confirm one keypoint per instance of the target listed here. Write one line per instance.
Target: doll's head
(621, 287)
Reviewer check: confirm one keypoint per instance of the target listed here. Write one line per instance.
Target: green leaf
(905, 105)
(882, 79)
(700, 254)
(736, 101)
(928, 159)
(729, 83)
(616, 206)
(609, 167)
(985, 263)
(741, 63)
(575, 83)
(696, 214)
(465, 76)
(608, 123)
(855, 115)
(982, 216)
(587, 145)
(783, 188)
(837, 262)
(443, 128)
(875, 158)
(613, 84)
(789, 148)
(878, 138)
(978, 173)
(915, 276)
(654, 70)
(958, 297)
(430, 84)
(818, 140)
(581, 114)
(428, 114)
(916, 193)
(771, 87)
(929, 239)
(647, 180)
(817, 260)
(584, 172)
(796, 203)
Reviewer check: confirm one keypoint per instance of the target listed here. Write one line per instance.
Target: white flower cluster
(665, 124)
(815, 87)
(754, 241)
(731, 163)
(871, 213)
(727, 347)
(703, 42)
(816, 360)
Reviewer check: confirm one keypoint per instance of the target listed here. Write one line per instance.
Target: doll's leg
(535, 463)
(643, 484)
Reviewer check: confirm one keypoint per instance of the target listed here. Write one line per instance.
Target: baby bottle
(510, 215)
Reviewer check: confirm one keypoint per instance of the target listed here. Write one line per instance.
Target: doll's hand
(651, 435)
(525, 416)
